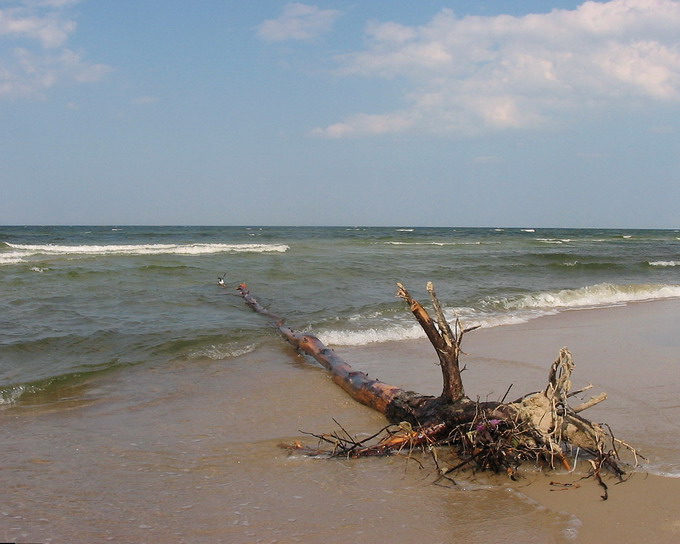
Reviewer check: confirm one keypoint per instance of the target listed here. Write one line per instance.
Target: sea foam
(504, 311)
(218, 352)
(21, 251)
(664, 470)
(663, 263)
(389, 333)
(602, 294)
(398, 331)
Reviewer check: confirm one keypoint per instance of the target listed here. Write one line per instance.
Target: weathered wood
(396, 403)
(372, 393)
(445, 341)
(495, 435)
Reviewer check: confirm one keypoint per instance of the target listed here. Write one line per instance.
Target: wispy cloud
(470, 74)
(33, 52)
(298, 22)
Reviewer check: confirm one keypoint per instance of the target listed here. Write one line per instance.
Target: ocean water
(126, 360)
(82, 301)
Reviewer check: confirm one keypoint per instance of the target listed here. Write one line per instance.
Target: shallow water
(191, 455)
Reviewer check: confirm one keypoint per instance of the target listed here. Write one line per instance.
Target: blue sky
(388, 112)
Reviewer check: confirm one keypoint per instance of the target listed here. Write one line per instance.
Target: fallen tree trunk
(370, 392)
(541, 426)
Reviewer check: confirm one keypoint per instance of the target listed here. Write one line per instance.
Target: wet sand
(642, 509)
(188, 453)
(631, 352)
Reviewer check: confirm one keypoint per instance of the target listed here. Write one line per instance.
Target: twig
(590, 403)
(598, 477)
(579, 391)
(506, 393)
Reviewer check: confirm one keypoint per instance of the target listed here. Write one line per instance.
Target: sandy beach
(631, 352)
(189, 453)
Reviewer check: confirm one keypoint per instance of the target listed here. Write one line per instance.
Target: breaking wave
(602, 294)
(19, 252)
(52, 388)
(386, 333)
(495, 312)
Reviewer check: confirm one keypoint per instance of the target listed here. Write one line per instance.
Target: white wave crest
(502, 311)
(11, 395)
(14, 257)
(406, 330)
(25, 250)
(602, 294)
(438, 243)
(663, 263)
(554, 240)
(371, 335)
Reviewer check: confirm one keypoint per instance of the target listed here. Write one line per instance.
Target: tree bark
(360, 387)
(538, 425)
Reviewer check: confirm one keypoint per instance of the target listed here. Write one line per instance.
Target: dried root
(390, 440)
(542, 427)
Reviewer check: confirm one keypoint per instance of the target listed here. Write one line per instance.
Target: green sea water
(80, 302)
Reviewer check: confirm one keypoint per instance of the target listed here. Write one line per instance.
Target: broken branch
(496, 436)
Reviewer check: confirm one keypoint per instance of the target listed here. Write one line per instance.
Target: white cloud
(39, 59)
(471, 74)
(49, 29)
(371, 124)
(298, 22)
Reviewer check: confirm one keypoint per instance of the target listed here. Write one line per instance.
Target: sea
(143, 402)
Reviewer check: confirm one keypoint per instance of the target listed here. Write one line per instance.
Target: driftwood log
(541, 426)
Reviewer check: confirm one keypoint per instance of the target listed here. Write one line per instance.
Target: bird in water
(220, 280)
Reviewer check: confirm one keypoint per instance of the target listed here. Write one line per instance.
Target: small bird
(220, 280)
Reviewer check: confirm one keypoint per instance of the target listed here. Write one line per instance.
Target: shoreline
(630, 352)
(204, 438)
(640, 509)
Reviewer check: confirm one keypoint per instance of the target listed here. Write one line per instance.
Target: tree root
(541, 427)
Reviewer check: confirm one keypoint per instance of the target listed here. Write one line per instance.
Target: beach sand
(188, 453)
(631, 352)
(642, 509)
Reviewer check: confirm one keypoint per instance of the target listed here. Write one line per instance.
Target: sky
(432, 113)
